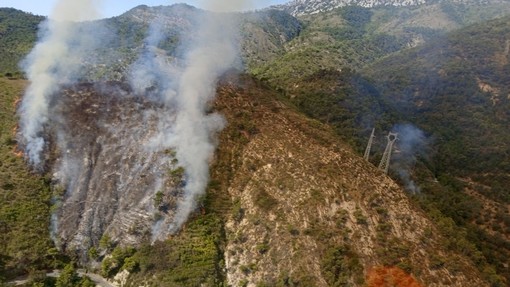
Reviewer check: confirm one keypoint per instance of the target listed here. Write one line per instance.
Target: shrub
(340, 264)
(360, 218)
(93, 253)
(264, 200)
(262, 248)
(106, 243)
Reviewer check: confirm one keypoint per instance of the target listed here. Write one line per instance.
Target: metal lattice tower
(369, 145)
(384, 165)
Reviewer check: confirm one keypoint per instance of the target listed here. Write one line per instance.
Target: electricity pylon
(369, 145)
(384, 165)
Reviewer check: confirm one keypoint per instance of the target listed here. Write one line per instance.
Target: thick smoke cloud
(55, 60)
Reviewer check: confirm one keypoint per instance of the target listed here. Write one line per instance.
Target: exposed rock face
(303, 202)
(108, 168)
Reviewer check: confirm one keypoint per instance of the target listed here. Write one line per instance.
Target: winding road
(96, 278)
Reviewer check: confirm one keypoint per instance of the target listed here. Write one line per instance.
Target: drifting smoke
(186, 88)
(55, 60)
(214, 51)
(412, 142)
(153, 68)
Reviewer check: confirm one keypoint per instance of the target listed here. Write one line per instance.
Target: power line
(369, 145)
(384, 165)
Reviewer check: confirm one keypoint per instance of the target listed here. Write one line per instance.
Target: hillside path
(96, 278)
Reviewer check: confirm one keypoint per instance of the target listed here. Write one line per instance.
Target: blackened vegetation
(195, 256)
(104, 162)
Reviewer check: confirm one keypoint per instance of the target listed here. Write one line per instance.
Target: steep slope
(290, 204)
(467, 68)
(96, 204)
(262, 33)
(108, 171)
(455, 89)
(111, 180)
(265, 33)
(463, 173)
(308, 210)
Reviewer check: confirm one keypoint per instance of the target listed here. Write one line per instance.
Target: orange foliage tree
(390, 277)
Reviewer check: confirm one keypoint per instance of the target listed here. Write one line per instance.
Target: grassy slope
(25, 198)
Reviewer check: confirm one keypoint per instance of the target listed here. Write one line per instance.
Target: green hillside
(18, 32)
(353, 37)
(457, 88)
(26, 199)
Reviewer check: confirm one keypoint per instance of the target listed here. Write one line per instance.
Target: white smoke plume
(412, 142)
(184, 85)
(188, 88)
(55, 60)
(213, 51)
(153, 68)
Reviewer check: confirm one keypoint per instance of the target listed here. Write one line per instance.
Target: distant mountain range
(306, 7)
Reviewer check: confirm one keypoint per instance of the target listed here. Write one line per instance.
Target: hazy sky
(115, 7)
